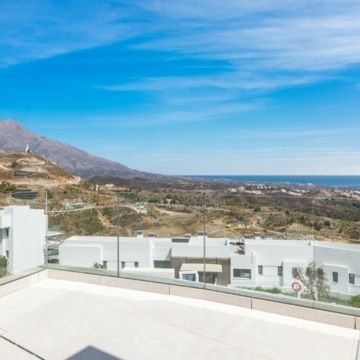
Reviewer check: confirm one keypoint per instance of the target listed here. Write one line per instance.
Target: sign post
(296, 286)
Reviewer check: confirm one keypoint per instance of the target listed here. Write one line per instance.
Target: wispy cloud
(295, 133)
(263, 38)
(36, 30)
(256, 38)
(234, 80)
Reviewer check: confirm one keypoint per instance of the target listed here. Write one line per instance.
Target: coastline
(333, 181)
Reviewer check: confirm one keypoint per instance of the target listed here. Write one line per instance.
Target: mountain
(14, 138)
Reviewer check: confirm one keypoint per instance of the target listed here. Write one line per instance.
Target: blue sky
(189, 87)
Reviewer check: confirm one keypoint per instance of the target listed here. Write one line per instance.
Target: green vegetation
(3, 266)
(273, 290)
(6, 187)
(82, 222)
(85, 184)
(355, 301)
(313, 279)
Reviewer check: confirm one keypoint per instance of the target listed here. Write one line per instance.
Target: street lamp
(204, 246)
(117, 236)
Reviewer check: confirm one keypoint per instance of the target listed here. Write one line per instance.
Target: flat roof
(200, 267)
(59, 319)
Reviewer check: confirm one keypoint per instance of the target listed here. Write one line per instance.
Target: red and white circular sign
(296, 286)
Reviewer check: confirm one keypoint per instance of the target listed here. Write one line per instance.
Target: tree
(6, 187)
(3, 266)
(314, 280)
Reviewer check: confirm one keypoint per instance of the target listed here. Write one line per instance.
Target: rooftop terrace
(55, 314)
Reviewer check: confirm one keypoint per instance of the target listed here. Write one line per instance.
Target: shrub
(7, 187)
(355, 301)
(3, 266)
(274, 290)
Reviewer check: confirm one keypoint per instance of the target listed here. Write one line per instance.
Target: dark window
(260, 269)
(280, 271)
(162, 264)
(242, 273)
(295, 272)
(351, 278)
(136, 264)
(122, 264)
(180, 240)
(320, 272)
(335, 277)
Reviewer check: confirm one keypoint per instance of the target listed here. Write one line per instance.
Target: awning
(200, 267)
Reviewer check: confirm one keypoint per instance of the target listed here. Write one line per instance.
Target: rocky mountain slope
(14, 138)
(26, 169)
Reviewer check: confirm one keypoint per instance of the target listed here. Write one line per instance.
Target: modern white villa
(270, 263)
(233, 263)
(256, 262)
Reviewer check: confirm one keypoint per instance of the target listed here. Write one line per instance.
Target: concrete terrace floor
(58, 319)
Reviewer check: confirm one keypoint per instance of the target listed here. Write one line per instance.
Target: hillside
(14, 138)
(32, 170)
(168, 206)
(79, 207)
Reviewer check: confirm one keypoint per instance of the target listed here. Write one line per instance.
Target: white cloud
(31, 30)
(266, 44)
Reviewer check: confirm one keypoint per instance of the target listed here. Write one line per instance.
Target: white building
(265, 263)
(152, 253)
(270, 263)
(22, 237)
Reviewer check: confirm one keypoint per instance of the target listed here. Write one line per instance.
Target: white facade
(85, 251)
(138, 252)
(265, 263)
(22, 237)
(269, 263)
(214, 247)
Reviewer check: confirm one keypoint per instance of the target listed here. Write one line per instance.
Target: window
(162, 264)
(122, 264)
(320, 272)
(260, 270)
(189, 277)
(242, 273)
(352, 279)
(6, 233)
(280, 271)
(136, 264)
(335, 277)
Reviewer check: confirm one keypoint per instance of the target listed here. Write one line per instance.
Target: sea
(338, 181)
